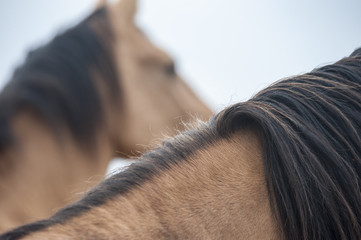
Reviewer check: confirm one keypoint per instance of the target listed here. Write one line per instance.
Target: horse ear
(126, 8)
(100, 4)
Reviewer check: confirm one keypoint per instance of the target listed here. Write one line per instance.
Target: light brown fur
(158, 98)
(48, 176)
(219, 193)
(42, 175)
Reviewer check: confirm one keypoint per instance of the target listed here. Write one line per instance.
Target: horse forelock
(311, 140)
(57, 81)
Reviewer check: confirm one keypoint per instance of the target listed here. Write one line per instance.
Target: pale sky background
(226, 49)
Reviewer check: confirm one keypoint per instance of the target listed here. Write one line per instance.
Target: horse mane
(310, 125)
(57, 82)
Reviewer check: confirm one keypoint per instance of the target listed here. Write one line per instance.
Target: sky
(226, 50)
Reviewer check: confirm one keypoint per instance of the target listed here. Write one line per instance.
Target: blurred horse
(284, 165)
(100, 89)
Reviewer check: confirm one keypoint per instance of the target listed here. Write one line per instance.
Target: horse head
(155, 99)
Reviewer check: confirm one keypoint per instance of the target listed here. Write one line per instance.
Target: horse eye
(169, 69)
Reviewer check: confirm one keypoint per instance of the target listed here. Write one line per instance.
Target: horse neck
(56, 168)
(56, 153)
(219, 192)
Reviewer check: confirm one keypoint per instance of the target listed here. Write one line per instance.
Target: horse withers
(99, 90)
(285, 164)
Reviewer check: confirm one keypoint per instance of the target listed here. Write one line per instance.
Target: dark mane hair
(311, 127)
(57, 82)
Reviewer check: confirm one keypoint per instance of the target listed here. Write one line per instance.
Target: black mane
(311, 127)
(57, 83)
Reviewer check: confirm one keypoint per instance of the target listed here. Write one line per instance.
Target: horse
(285, 164)
(97, 91)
